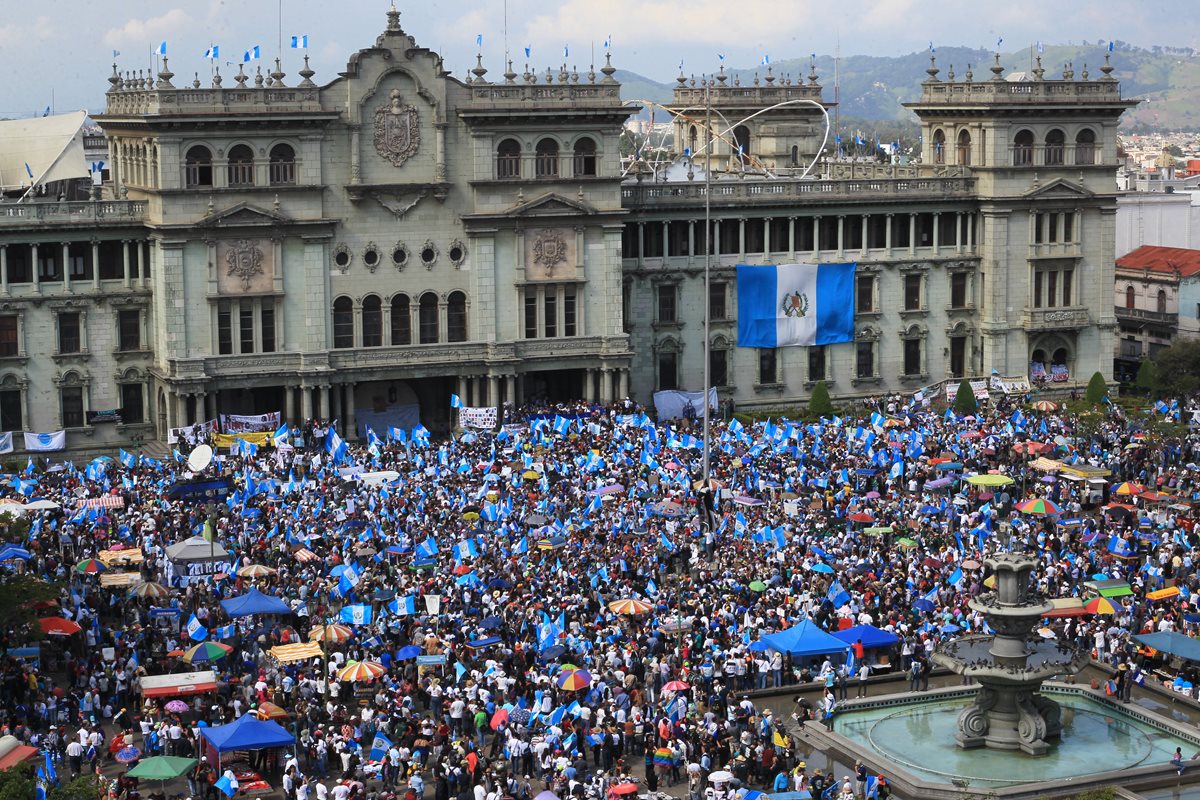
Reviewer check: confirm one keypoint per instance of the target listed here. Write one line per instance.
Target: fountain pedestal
(1009, 712)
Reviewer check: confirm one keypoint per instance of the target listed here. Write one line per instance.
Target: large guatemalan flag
(795, 304)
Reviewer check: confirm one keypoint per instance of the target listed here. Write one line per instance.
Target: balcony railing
(1045, 319)
(1145, 315)
(766, 192)
(111, 212)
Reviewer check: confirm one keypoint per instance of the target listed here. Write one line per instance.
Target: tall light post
(707, 289)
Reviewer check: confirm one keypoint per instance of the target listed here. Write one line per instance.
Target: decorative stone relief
(429, 254)
(371, 257)
(550, 254)
(341, 258)
(457, 253)
(401, 255)
(245, 265)
(397, 130)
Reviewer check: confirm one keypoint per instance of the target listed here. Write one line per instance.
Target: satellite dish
(200, 458)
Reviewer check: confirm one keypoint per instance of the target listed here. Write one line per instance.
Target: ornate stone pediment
(242, 215)
(1060, 189)
(551, 205)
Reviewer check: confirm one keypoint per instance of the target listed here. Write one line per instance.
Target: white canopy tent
(51, 147)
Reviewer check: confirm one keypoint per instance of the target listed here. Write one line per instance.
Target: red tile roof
(1162, 259)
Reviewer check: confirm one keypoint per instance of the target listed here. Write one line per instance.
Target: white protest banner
(45, 442)
(192, 434)
(477, 417)
(6, 444)
(256, 423)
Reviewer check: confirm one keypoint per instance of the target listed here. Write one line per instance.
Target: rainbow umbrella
(151, 590)
(361, 671)
(630, 605)
(1039, 506)
(330, 633)
(664, 757)
(90, 566)
(206, 652)
(256, 571)
(574, 679)
(1129, 488)
(1100, 605)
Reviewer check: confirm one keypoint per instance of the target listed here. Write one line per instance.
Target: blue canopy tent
(246, 733)
(254, 602)
(805, 639)
(869, 635)
(1174, 643)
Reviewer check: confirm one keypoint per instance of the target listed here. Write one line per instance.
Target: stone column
(937, 220)
(912, 235)
(510, 389)
(289, 404)
(958, 232)
(3, 269)
(641, 236)
(691, 241)
(887, 234)
(816, 238)
(348, 409)
(335, 406)
(66, 266)
(792, 238)
(181, 413)
(200, 408)
(622, 384)
(37, 278)
(210, 406)
(95, 265)
(741, 240)
(841, 237)
(606, 386)
(463, 389)
(766, 240)
(865, 243)
(589, 384)
(306, 405)
(493, 384)
(324, 396)
(666, 241)
(125, 276)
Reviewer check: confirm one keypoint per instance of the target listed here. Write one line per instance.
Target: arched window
(241, 166)
(795, 155)
(963, 156)
(1022, 149)
(508, 159)
(283, 165)
(1059, 356)
(401, 320)
(741, 138)
(372, 321)
(456, 317)
(1085, 147)
(1130, 297)
(198, 167)
(585, 156)
(546, 159)
(428, 318)
(692, 139)
(343, 322)
(939, 147)
(1055, 145)
(1161, 304)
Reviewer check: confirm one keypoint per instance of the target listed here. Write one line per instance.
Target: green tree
(1097, 389)
(819, 403)
(1177, 368)
(964, 399)
(1146, 380)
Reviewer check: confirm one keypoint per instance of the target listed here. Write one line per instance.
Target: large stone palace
(368, 247)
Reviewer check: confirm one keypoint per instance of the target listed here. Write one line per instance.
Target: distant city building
(1157, 298)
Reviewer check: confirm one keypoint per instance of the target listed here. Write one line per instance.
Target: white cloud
(149, 31)
(17, 34)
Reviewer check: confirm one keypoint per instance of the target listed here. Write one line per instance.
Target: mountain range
(1167, 80)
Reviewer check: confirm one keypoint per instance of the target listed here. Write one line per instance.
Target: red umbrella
(676, 686)
(499, 718)
(624, 788)
(861, 517)
(58, 626)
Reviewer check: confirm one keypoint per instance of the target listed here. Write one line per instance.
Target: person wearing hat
(1123, 686)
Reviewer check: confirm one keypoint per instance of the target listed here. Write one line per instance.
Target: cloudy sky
(61, 50)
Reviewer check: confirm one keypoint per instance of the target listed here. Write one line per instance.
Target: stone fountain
(1009, 711)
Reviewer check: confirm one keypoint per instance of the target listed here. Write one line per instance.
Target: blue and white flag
(225, 632)
(161, 50)
(356, 615)
(227, 784)
(213, 53)
(196, 630)
(46, 442)
(300, 42)
(253, 54)
(336, 446)
(403, 606)
(455, 401)
(6, 443)
(280, 435)
(795, 304)
(379, 747)
(837, 595)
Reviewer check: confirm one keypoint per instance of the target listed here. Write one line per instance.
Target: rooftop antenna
(837, 81)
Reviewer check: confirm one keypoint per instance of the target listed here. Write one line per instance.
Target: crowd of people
(563, 604)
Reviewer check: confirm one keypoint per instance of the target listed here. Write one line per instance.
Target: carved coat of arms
(795, 304)
(245, 261)
(397, 130)
(549, 250)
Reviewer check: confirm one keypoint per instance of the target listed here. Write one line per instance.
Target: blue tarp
(1174, 643)
(248, 733)
(870, 636)
(254, 602)
(805, 639)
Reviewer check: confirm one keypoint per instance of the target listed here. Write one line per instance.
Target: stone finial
(217, 78)
(528, 76)
(258, 77)
(812, 72)
(932, 70)
(721, 76)
(393, 20)
(114, 80)
(608, 69)
(165, 75)
(1069, 71)
(950, 74)
(510, 77)
(278, 75)
(681, 79)
(240, 80)
(479, 70)
(549, 76)
(591, 76)
(1107, 69)
(1038, 72)
(756, 79)
(970, 76)
(1084, 74)
(770, 79)
(997, 69)
(306, 74)
(574, 74)
(196, 81)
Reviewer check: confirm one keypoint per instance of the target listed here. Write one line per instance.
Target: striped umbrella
(664, 757)
(1044, 405)
(1129, 488)
(256, 571)
(1100, 605)
(206, 652)
(330, 633)
(630, 605)
(361, 671)
(1039, 506)
(152, 591)
(574, 679)
(269, 710)
(90, 566)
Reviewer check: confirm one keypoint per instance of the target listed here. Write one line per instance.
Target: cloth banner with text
(238, 423)
(477, 417)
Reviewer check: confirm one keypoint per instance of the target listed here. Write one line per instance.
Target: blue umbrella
(928, 510)
(491, 623)
(1099, 576)
(820, 566)
(922, 604)
(553, 652)
(759, 646)
(407, 652)
(948, 628)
